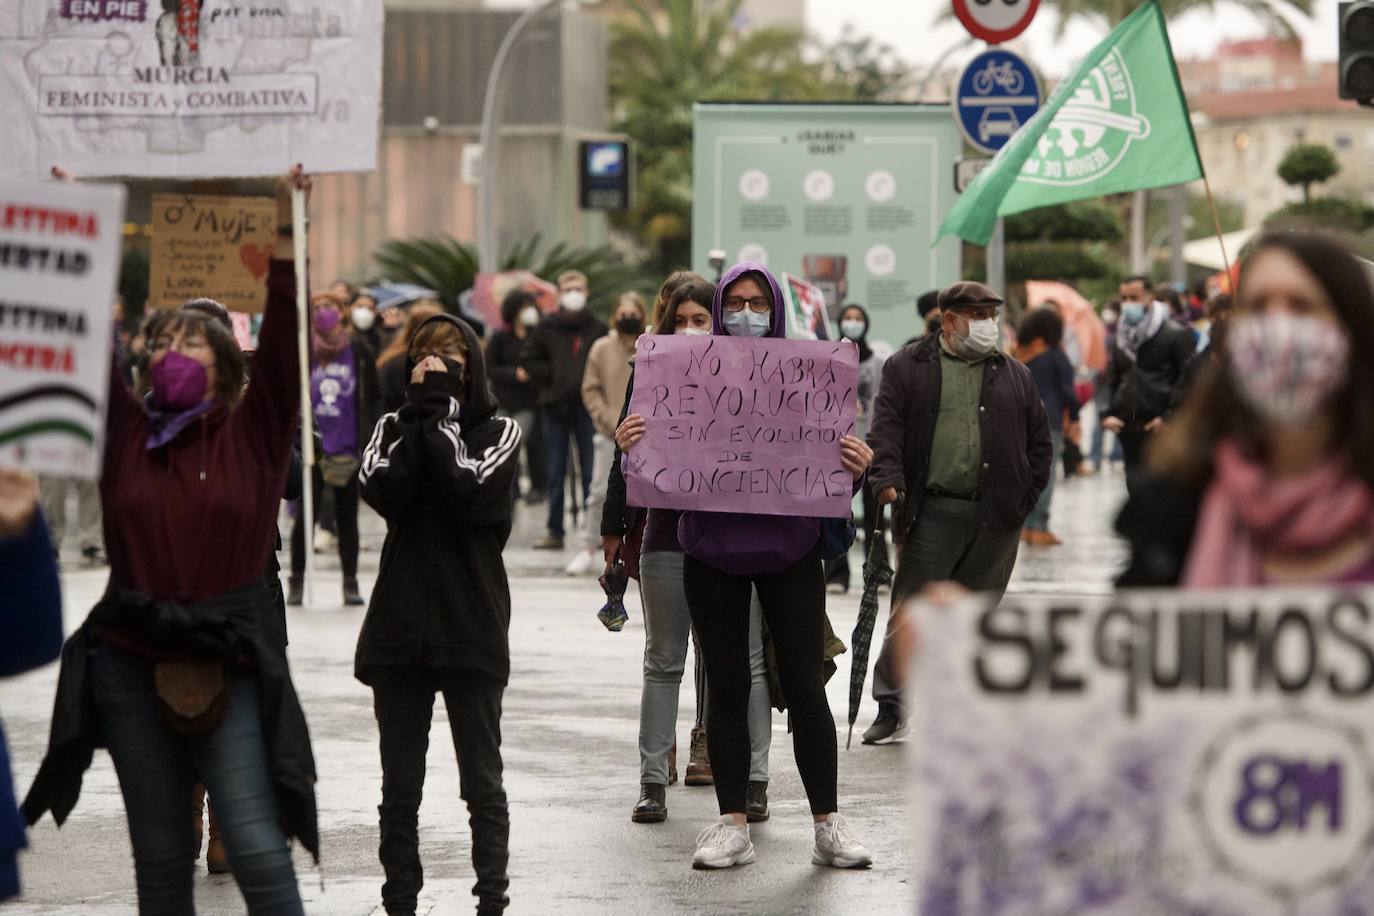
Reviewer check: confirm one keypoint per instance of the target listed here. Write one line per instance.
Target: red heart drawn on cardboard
(257, 258)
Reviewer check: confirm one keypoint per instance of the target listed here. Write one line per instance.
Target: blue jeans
(157, 768)
(1039, 518)
(559, 426)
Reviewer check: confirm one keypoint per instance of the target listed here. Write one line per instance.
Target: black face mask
(630, 326)
(455, 369)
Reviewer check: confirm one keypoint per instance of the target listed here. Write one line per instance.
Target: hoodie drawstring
(202, 448)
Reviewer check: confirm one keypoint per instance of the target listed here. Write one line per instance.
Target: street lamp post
(488, 257)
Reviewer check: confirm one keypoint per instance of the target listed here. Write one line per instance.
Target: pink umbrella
(1078, 314)
(490, 288)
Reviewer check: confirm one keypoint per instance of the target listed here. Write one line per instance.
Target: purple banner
(743, 425)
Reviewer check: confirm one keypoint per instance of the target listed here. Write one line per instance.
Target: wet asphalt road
(570, 728)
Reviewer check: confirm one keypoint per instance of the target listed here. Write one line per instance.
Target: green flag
(1119, 123)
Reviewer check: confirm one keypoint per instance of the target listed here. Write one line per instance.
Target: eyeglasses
(758, 304)
(980, 313)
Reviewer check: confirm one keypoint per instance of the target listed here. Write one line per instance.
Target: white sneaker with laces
(723, 844)
(581, 564)
(837, 846)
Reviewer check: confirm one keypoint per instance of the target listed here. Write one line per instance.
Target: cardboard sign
(807, 318)
(1160, 752)
(59, 260)
(218, 247)
(189, 88)
(743, 425)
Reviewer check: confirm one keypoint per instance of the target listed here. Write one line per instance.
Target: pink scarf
(1246, 513)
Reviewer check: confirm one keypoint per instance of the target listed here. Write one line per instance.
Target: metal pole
(307, 420)
(488, 257)
(1139, 261)
(997, 259)
(1178, 210)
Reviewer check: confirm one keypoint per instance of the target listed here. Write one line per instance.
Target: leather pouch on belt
(192, 696)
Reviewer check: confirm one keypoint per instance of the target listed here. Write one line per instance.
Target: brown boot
(699, 761)
(216, 859)
(198, 816)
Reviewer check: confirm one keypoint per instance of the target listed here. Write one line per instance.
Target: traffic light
(1357, 50)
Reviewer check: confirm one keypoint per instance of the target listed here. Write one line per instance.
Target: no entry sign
(995, 21)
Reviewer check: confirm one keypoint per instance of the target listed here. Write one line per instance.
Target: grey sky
(909, 26)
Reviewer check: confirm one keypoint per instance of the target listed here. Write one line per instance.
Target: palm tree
(1275, 13)
(667, 55)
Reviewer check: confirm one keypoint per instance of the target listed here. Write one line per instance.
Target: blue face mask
(748, 323)
(1132, 312)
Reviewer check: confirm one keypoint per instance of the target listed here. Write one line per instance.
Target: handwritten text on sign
(59, 258)
(206, 245)
(743, 425)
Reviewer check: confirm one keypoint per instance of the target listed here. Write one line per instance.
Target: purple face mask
(326, 320)
(179, 382)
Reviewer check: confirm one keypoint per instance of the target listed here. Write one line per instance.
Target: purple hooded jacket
(738, 543)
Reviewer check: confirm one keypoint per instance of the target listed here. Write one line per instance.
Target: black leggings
(345, 516)
(794, 609)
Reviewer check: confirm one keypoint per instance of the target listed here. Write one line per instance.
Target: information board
(847, 197)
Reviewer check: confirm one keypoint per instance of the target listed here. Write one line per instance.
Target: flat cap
(968, 294)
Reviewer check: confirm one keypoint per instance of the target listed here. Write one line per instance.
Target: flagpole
(298, 229)
(1216, 224)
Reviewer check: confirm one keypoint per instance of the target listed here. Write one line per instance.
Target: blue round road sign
(998, 92)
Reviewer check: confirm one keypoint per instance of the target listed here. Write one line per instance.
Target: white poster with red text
(189, 88)
(59, 263)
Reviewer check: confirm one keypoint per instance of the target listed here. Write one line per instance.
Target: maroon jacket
(197, 517)
(1017, 451)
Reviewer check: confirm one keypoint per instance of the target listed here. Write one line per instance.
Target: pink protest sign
(743, 425)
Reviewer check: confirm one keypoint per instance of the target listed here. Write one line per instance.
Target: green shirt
(956, 455)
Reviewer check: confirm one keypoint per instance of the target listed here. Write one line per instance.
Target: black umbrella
(877, 573)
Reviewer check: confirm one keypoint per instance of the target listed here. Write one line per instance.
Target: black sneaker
(889, 726)
(653, 804)
(93, 556)
(295, 592)
(756, 804)
(351, 596)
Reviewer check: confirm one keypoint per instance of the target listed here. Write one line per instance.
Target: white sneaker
(723, 845)
(582, 563)
(837, 847)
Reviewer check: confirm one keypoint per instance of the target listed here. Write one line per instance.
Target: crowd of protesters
(1247, 447)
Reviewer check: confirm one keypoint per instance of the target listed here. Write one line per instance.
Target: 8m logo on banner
(995, 21)
(1285, 802)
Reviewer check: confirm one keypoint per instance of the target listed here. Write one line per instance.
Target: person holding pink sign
(719, 581)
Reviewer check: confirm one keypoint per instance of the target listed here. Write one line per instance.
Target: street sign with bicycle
(997, 93)
(995, 21)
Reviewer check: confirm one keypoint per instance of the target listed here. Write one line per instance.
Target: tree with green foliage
(666, 55)
(1307, 164)
(449, 267)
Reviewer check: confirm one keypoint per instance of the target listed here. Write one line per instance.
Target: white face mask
(853, 328)
(363, 318)
(692, 332)
(529, 317)
(983, 336)
(574, 300)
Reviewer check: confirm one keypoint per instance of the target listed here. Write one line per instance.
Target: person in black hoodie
(439, 470)
(555, 357)
(515, 390)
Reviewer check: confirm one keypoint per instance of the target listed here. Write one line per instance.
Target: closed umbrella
(877, 573)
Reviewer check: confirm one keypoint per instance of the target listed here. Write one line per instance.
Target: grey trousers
(945, 544)
(666, 627)
(603, 450)
(54, 491)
